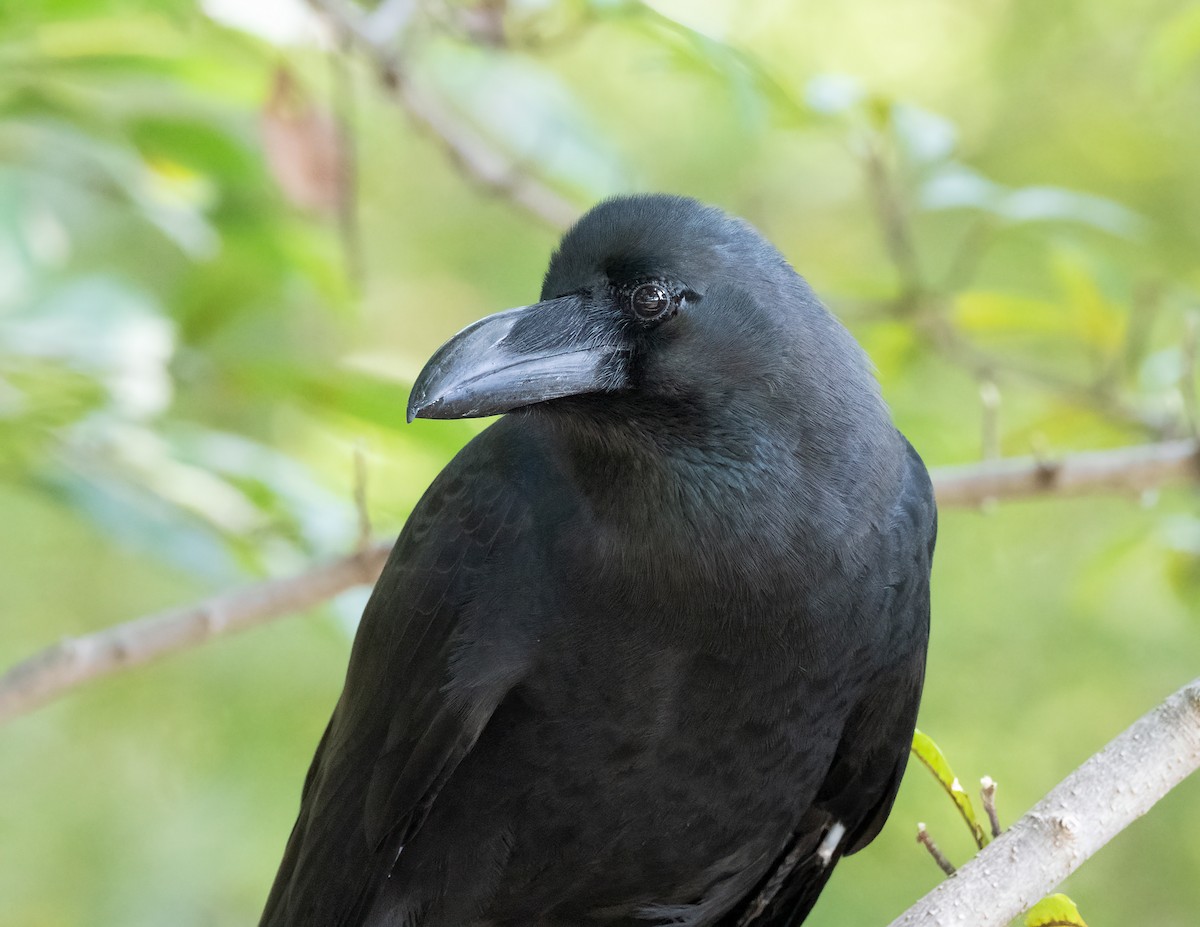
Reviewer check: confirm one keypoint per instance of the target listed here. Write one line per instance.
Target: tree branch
(1091, 806)
(1100, 394)
(74, 661)
(1134, 469)
(468, 149)
(891, 212)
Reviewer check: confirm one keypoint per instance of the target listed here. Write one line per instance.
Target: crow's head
(661, 304)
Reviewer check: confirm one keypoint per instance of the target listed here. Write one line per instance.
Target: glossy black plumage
(650, 636)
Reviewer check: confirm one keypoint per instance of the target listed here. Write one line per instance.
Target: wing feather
(405, 719)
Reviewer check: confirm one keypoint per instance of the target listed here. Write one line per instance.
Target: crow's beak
(560, 347)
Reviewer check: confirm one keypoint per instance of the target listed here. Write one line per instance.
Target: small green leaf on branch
(1054, 911)
(929, 753)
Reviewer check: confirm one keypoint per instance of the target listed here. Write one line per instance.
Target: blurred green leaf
(280, 487)
(892, 346)
(38, 399)
(1162, 369)
(1049, 204)
(1097, 321)
(1175, 52)
(956, 186)
(834, 94)
(925, 137)
(991, 313)
(752, 89)
(107, 38)
(530, 114)
(142, 521)
(1181, 536)
(105, 328)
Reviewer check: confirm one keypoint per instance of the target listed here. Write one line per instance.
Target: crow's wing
(857, 795)
(862, 781)
(412, 706)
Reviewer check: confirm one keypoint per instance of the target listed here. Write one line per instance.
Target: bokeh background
(230, 234)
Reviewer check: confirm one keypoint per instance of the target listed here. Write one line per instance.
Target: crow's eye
(650, 300)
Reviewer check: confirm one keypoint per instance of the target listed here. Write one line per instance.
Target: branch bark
(469, 150)
(72, 662)
(1134, 469)
(1091, 806)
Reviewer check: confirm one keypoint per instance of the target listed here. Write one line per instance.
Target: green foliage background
(185, 372)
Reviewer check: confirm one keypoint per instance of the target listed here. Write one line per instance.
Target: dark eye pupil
(650, 299)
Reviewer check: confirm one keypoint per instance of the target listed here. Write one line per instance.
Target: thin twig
(475, 155)
(344, 112)
(927, 313)
(1091, 806)
(62, 667)
(360, 498)
(939, 857)
(972, 247)
(1187, 377)
(890, 210)
(1145, 308)
(989, 398)
(987, 794)
(1100, 394)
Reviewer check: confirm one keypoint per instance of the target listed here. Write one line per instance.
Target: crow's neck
(725, 470)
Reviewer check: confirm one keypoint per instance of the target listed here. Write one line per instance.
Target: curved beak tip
(418, 407)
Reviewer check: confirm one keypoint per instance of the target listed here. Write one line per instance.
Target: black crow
(650, 648)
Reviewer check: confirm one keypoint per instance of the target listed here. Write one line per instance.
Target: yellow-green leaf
(988, 313)
(1096, 319)
(931, 755)
(1054, 911)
